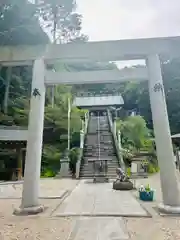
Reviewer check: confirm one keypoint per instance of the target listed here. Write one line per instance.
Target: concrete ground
(48, 226)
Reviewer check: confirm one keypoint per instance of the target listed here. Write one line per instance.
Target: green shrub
(48, 173)
(128, 172)
(73, 155)
(157, 169)
(152, 168)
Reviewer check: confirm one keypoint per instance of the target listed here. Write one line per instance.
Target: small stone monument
(122, 182)
(64, 170)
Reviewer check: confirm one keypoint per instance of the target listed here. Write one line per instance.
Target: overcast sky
(123, 19)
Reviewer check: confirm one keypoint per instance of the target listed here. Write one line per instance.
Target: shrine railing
(115, 139)
(83, 133)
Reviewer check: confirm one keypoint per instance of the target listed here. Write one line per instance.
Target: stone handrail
(115, 139)
(4, 127)
(78, 163)
(15, 127)
(103, 94)
(83, 133)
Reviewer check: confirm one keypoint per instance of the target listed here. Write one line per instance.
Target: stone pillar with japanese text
(165, 155)
(30, 197)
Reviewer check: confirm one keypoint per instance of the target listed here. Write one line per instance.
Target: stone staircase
(91, 148)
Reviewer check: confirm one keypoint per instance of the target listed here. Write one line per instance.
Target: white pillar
(86, 121)
(30, 196)
(82, 124)
(119, 139)
(81, 138)
(169, 180)
(69, 124)
(114, 127)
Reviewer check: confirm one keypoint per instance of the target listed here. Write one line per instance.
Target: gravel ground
(32, 228)
(42, 226)
(157, 227)
(46, 227)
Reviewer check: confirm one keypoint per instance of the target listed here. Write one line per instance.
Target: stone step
(92, 170)
(92, 173)
(112, 170)
(86, 171)
(95, 146)
(102, 154)
(88, 162)
(90, 165)
(113, 165)
(91, 149)
(92, 176)
(110, 164)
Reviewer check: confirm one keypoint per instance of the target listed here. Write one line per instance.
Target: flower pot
(146, 196)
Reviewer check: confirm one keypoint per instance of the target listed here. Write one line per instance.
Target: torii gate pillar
(168, 174)
(30, 196)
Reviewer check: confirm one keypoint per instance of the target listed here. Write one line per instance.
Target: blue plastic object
(146, 196)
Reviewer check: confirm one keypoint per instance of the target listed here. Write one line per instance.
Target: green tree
(134, 132)
(59, 17)
(63, 23)
(19, 25)
(136, 96)
(18, 88)
(171, 77)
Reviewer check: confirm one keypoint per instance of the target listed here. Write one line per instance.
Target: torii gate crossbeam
(93, 77)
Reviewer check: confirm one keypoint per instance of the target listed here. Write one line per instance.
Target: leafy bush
(134, 132)
(152, 168)
(157, 168)
(73, 155)
(50, 159)
(48, 173)
(128, 172)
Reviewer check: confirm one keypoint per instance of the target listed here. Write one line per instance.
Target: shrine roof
(90, 101)
(176, 135)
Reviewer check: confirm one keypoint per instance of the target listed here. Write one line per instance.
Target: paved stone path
(100, 200)
(99, 229)
(14, 190)
(97, 210)
(10, 192)
(45, 226)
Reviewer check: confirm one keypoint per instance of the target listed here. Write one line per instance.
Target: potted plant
(146, 193)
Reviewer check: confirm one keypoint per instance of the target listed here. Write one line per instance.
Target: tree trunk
(54, 41)
(8, 82)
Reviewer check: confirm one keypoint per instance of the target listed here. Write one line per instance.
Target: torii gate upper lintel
(91, 51)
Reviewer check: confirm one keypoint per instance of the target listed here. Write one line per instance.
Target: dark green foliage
(61, 20)
(136, 95)
(74, 153)
(19, 24)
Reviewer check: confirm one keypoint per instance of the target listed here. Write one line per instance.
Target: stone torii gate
(39, 56)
